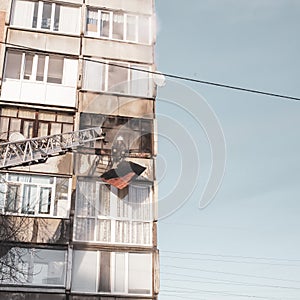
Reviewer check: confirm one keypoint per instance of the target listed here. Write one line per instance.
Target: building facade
(66, 66)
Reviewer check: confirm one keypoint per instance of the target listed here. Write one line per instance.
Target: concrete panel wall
(116, 105)
(117, 50)
(137, 6)
(44, 41)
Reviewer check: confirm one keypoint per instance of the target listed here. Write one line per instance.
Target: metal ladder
(37, 150)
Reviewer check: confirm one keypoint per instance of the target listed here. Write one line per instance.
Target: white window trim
(106, 64)
(110, 36)
(113, 220)
(39, 20)
(34, 69)
(36, 207)
(30, 266)
(113, 275)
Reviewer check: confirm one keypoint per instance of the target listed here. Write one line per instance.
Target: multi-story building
(66, 66)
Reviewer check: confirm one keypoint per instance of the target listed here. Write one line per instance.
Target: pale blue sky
(256, 213)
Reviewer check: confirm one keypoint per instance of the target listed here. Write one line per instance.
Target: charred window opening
(33, 123)
(136, 133)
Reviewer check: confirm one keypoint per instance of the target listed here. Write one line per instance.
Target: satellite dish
(159, 79)
(16, 136)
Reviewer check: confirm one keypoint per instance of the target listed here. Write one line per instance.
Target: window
(35, 195)
(112, 272)
(33, 123)
(105, 214)
(118, 26)
(35, 67)
(136, 132)
(115, 77)
(39, 267)
(53, 78)
(46, 16)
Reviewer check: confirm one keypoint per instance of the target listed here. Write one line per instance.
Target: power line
(231, 256)
(229, 273)
(179, 77)
(224, 293)
(221, 280)
(225, 282)
(230, 261)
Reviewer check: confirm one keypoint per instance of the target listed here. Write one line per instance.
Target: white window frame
(52, 18)
(34, 67)
(113, 218)
(128, 84)
(29, 267)
(113, 273)
(125, 15)
(39, 186)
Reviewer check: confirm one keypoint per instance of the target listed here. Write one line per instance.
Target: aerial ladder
(37, 150)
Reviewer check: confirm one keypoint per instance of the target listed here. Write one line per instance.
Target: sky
(245, 243)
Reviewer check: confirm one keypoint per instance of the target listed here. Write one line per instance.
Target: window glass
(41, 267)
(144, 28)
(45, 200)
(12, 197)
(46, 16)
(92, 21)
(93, 76)
(4, 122)
(55, 128)
(28, 66)
(55, 69)
(43, 129)
(131, 28)
(28, 129)
(139, 81)
(34, 194)
(118, 26)
(118, 78)
(120, 272)
(15, 125)
(22, 13)
(105, 24)
(29, 199)
(35, 14)
(47, 116)
(61, 207)
(28, 114)
(13, 64)
(84, 271)
(140, 272)
(56, 17)
(105, 274)
(40, 68)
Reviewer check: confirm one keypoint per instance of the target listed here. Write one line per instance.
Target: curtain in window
(139, 199)
(85, 198)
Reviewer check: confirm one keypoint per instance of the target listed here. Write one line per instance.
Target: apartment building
(67, 66)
